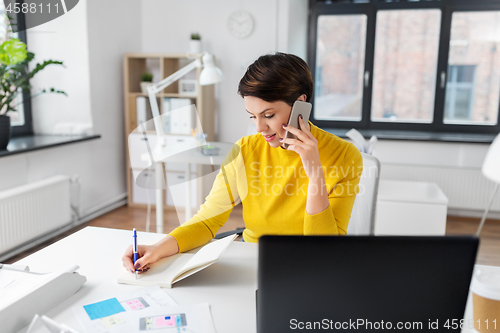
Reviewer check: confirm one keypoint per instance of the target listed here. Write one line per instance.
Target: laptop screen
(363, 283)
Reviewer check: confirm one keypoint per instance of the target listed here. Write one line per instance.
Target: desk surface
(228, 286)
(189, 153)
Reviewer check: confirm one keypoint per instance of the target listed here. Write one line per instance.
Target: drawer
(180, 143)
(142, 195)
(137, 147)
(176, 190)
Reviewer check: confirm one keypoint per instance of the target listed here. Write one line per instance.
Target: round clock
(240, 24)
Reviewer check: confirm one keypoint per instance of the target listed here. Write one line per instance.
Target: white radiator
(32, 210)
(466, 189)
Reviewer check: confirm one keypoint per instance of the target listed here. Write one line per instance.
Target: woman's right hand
(149, 254)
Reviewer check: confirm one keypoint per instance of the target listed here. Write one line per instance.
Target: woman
(307, 189)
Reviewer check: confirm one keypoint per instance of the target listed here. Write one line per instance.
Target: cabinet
(162, 65)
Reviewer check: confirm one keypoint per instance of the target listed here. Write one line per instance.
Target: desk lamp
(491, 170)
(210, 74)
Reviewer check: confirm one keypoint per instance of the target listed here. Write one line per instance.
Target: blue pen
(135, 252)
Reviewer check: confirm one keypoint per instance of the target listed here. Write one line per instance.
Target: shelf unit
(162, 65)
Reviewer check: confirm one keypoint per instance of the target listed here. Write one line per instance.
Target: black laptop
(363, 283)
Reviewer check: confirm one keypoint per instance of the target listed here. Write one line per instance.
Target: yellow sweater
(271, 184)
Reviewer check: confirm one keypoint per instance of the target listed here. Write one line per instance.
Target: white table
(182, 154)
(410, 208)
(228, 286)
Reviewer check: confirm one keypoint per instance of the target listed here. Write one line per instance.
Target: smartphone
(299, 108)
(159, 322)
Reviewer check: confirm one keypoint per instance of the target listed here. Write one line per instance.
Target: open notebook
(167, 271)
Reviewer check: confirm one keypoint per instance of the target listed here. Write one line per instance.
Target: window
(459, 93)
(340, 50)
(430, 65)
(20, 120)
(405, 65)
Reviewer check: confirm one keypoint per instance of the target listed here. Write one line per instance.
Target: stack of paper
(359, 141)
(145, 309)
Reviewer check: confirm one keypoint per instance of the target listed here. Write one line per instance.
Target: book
(167, 271)
(180, 115)
(166, 115)
(141, 105)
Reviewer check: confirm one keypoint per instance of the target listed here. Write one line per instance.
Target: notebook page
(208, 254)
(161, 272)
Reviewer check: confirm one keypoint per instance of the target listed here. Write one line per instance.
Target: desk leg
(188, 192)
(159, 198)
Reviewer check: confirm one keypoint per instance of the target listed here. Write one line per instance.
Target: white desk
(182, 154)
(228, 286)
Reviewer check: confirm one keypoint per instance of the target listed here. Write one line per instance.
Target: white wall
(92, 42)
(167, 25)
(64, 39)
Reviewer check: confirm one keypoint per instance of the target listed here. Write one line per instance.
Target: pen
(135, 251)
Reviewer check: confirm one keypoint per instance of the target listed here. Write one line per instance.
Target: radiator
(32, 210)
(466, 189)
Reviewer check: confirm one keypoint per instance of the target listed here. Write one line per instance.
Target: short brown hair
(277, 77)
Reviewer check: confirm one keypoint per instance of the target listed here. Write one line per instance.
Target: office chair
(362, 220)
(491, 170)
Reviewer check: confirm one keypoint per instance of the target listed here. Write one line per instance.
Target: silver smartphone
(299, 108)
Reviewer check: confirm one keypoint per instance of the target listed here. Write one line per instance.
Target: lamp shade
(491, 164)
(210, 74)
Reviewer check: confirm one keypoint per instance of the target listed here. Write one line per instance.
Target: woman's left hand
(307, 147)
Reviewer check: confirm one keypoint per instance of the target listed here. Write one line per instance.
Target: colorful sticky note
(103, 309)
(112, 320)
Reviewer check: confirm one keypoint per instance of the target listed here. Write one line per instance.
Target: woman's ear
(302, 98)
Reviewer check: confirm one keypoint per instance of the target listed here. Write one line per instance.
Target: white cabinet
(143, 193)
(137, 147)
(182, 142)
(410, 208)
(176, 192)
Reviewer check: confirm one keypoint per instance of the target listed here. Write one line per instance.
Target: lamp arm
(158, 87)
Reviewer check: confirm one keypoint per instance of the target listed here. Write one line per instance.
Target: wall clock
(240, 24)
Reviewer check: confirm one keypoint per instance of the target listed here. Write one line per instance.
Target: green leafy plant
(15, 73)
(195, 36)
(147, 77)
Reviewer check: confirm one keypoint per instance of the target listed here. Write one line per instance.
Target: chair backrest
(362, 220)
(491, 164)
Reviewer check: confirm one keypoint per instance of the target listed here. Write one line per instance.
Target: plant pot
(144, 87)
(4, 132)
(195, 46)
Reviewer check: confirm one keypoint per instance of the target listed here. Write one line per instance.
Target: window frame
(27, 127)
(447, 7)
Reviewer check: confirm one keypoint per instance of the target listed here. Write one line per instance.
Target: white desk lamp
(491, 170)
(210, 74)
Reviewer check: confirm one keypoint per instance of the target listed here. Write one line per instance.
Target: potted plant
(15, 74)
(146, 79)
(195, 43)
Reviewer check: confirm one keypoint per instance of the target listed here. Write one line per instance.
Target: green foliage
(12, 52)
(147, 77)
(15, 73)
(195, 36)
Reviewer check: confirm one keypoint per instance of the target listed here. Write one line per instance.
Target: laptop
(363, 283)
